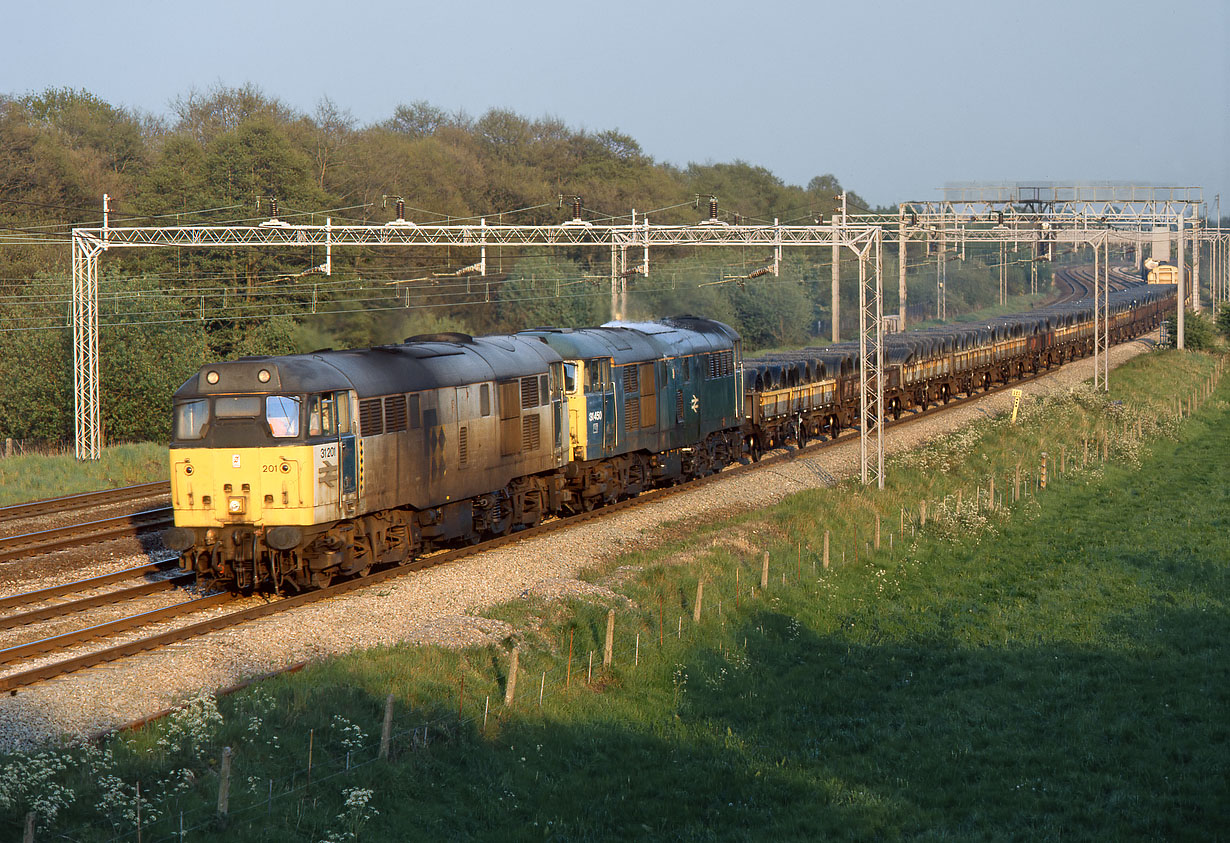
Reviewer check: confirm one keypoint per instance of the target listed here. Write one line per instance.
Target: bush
(1198, 331)
(1223, 320)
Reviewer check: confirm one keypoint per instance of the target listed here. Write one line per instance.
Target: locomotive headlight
(235, 505)
(211, 377)
(187, 469)
(263, 376)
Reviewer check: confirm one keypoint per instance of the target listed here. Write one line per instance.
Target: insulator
(273, 208)
(738, 220)
(401, 209)
(576, 207)
(712, 207)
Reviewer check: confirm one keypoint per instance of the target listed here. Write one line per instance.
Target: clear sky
(894, 98)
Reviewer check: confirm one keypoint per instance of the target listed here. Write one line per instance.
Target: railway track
(90, 532)
(86, 500)
(1078, 282)
(108, 598)
(16, 656)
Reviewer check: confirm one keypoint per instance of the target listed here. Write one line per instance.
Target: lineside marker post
(700, 595)
(764, 572)
(877, 543)
(826, 550)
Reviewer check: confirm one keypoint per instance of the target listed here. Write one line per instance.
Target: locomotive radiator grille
(529, 433)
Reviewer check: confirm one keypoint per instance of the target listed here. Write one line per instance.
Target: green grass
(32, 477)
(1056, 669)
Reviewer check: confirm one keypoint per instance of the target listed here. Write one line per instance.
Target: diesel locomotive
(287, 472)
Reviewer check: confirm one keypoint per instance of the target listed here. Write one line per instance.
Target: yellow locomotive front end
(262, 465)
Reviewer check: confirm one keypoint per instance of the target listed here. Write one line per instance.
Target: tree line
(223, 154)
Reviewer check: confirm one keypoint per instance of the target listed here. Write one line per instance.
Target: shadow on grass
(800, 736)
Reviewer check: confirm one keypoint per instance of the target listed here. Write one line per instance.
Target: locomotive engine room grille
(395, 413)
(529, 433)
(632, 413)
(721, 364)
(371, 417)
(632, 382)
(529, 393)
(463, 445)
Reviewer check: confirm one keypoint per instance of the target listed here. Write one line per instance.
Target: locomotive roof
(626, 342)
(428, 363)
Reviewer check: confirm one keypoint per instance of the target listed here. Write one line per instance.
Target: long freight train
(287, 472)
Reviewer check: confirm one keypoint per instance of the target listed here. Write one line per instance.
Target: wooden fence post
(510, 689)
(877, 531)
(922, 513)
(608, 649)
(826, 550)
(764, 572)
(700, 595)
(568, 672)
(224, 783)
(386, 731)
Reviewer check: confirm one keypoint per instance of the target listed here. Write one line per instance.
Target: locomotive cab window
(282, 414)
(329, 414)
(597, 374)
(237, 407)
(570, 378)
(191, 418)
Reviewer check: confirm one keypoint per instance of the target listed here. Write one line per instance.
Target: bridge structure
(1034, 215)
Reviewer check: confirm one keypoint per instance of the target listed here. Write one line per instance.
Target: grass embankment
(1055, 668)
(31, 477)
